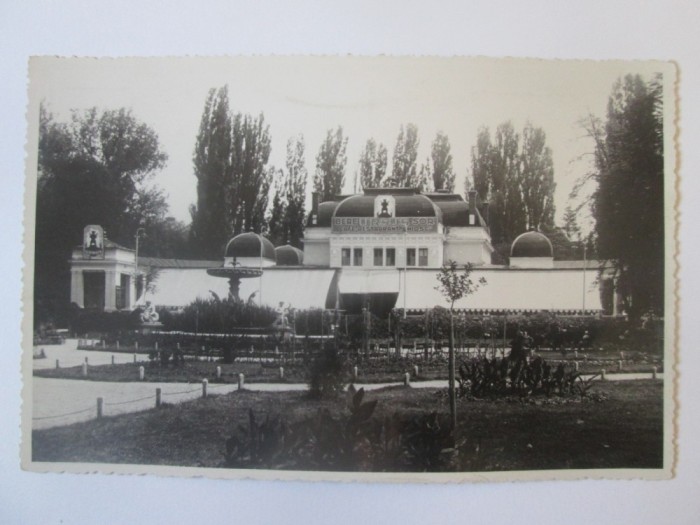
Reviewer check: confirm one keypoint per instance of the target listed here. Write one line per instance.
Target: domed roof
(289, 256)
(406, 206)
(248, 245)
(531, 244)
(325, 213)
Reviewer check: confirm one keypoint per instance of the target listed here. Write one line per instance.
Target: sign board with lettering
(384, 225)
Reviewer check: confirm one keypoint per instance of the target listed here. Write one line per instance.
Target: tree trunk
(451, 373)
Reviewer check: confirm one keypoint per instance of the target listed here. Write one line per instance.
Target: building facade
(380, 249)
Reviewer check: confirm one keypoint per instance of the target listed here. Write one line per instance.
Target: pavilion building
(381, 249)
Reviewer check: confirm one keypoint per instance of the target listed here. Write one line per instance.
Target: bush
(327, 374)
(482, 377)
(218, 316)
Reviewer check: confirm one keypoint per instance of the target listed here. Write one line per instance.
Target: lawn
(624, 430)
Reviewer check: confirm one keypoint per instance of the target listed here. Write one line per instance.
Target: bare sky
(369, 97)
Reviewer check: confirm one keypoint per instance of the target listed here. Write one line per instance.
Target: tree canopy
(287, 213)
(233, 180)
(404, 171)
(373, 161)
(628, 202)
(514, 173)
(442, 174)
(330, 165)
(94, 169)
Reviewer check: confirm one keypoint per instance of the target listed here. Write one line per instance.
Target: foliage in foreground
(351, 441)
(483, 377)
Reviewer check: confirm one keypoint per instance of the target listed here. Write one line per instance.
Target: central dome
(406, 206)
(250, 245)
(531, 244)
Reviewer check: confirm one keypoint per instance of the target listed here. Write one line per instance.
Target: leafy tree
(286, 220)
(277, 231)
(233, 180)
(628, 203)
(330, 165)
(536, 176)
(93, 170)
(571, 227)
(212, 166)
(455, 285)
(442, 174)
(515, 174)
(250, 185)
(373, 163)
(404, 173)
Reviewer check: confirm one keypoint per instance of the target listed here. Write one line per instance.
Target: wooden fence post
(354, 373)
(142, 373)
(204, 387)
(100, 402)
(281, 372)
(407, 379)
(416, 370)
(218, 372)
(653, 372)
(57, 365)
(241, 381)
(158, 397)
(113, 359)
(602, 374)
(85, 369)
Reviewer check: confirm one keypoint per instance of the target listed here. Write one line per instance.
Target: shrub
(482, 377)
(327, 374)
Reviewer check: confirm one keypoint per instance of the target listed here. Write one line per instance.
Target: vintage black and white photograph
(344, 268)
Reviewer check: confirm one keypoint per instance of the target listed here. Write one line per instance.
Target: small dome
(289, 256)
(248, 245)
(531, 244)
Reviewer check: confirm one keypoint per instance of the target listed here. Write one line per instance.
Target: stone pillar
(77, 293)
(110, 290)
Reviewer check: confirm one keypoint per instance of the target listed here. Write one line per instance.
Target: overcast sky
(369, 97)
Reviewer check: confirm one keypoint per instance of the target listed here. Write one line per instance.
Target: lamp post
(139, 231)
(583, 309)
(405, 265)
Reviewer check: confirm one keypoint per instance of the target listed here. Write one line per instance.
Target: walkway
(68, 355)
(58, 402)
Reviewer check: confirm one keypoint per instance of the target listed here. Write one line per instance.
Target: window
(390, 257)
(357, 257)
(423, 257)
(378, 257)
(410, 257)
(345, 257)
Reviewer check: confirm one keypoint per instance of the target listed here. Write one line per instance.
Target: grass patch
(624, 431)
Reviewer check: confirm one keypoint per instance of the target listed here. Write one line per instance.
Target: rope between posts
(181, 393)
(130, 401)
(91, 409)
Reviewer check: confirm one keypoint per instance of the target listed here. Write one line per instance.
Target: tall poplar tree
(210, 228)
(233, 180)
(404, 170)
(373, 161)
(514, 173)
(330, 165)
(441, 170)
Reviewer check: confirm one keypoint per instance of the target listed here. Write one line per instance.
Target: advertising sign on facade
(384, 225)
